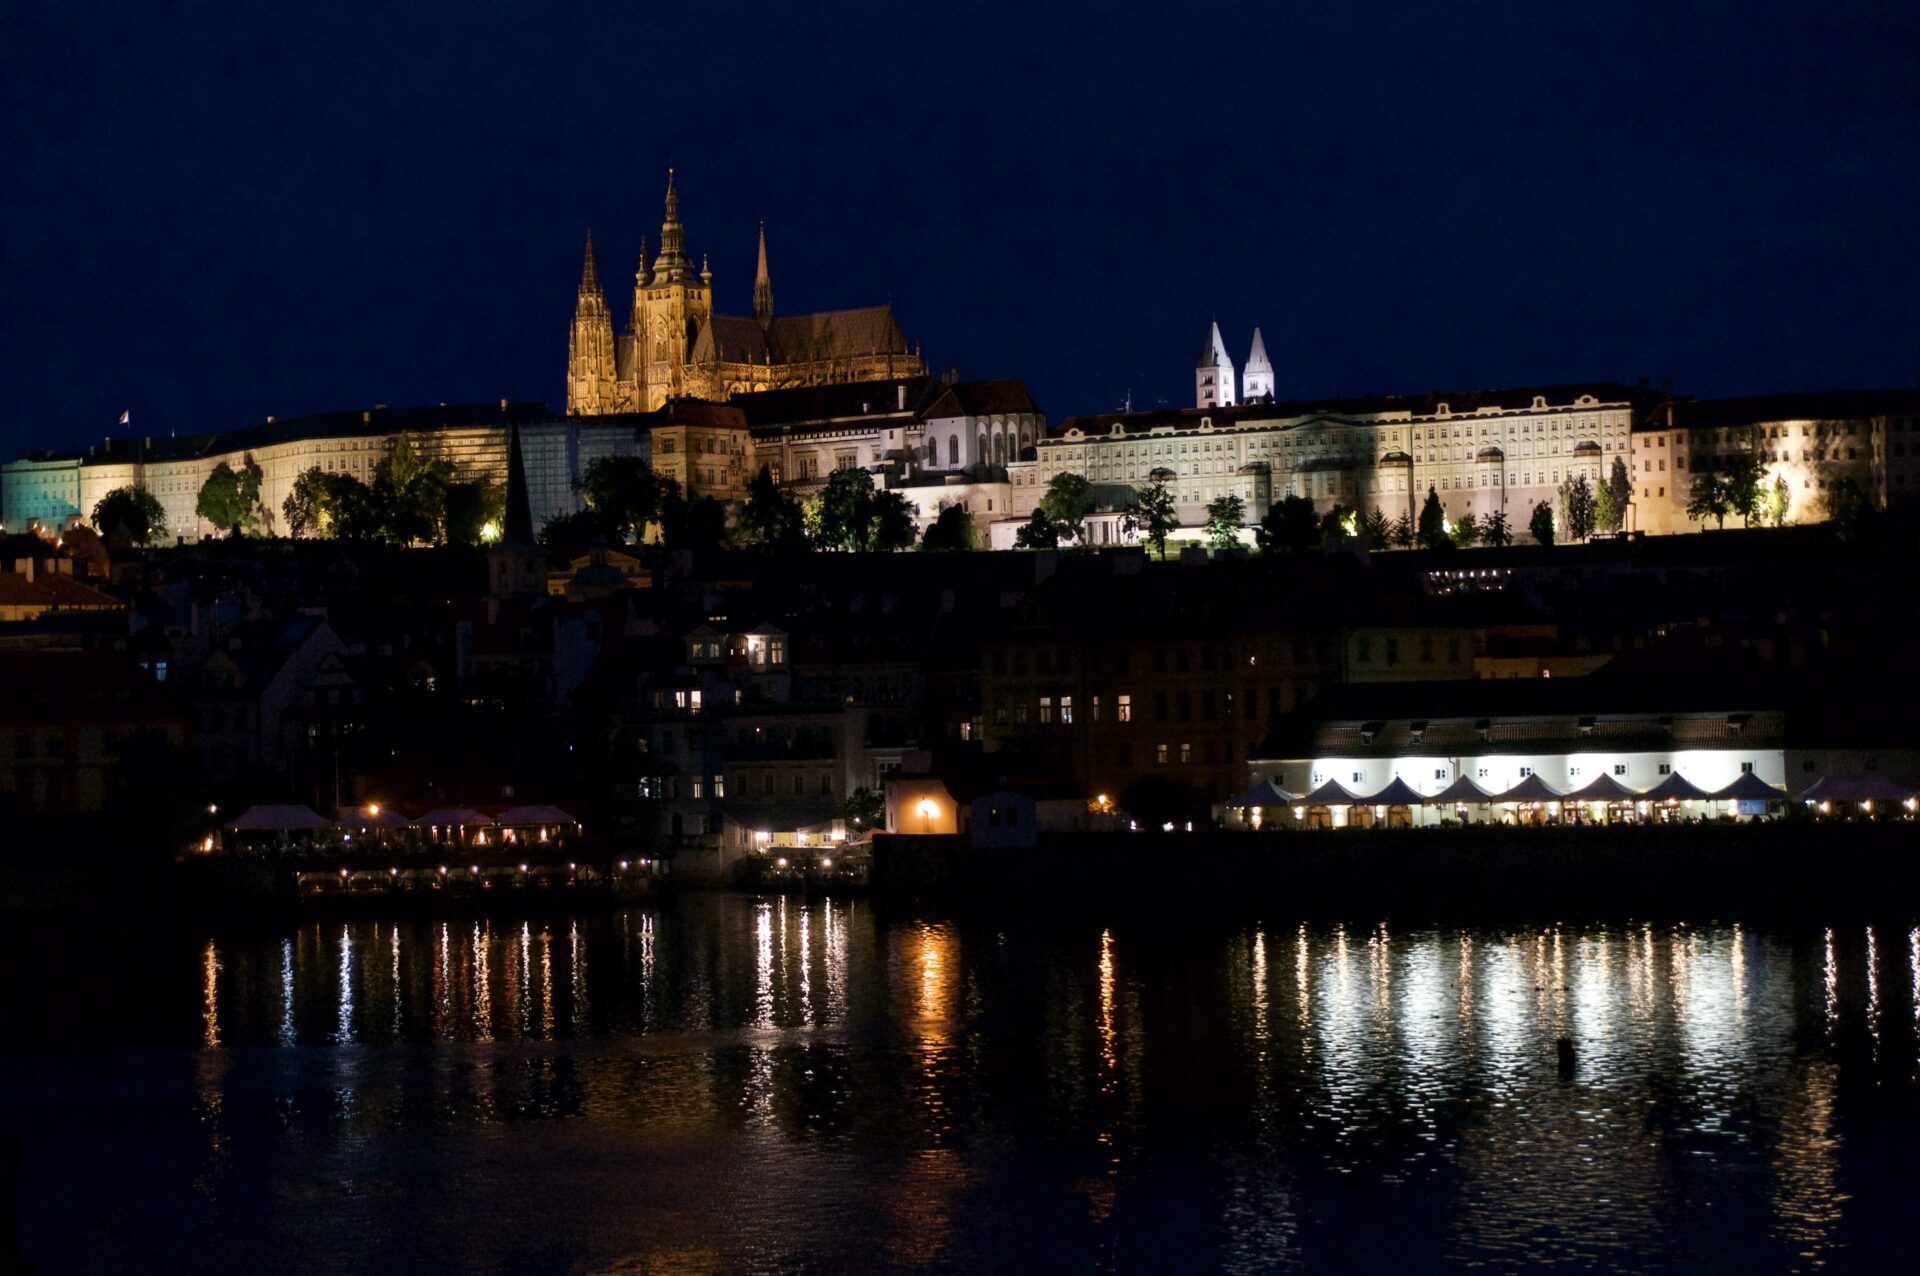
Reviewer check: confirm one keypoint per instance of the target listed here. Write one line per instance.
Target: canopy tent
(1262, 794)
(1749, 788)
(1603, 788)
(1531, 789)
(452, 816)
(1397, 793)
(533, 815)
(1870, 787)
(384, 817)
(1675, 788)
(283, 817)
(1461, 790)
(1329, 794)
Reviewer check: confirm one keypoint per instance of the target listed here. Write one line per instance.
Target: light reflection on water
(766, 1083)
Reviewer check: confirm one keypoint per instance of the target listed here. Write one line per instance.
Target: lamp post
(927, 811)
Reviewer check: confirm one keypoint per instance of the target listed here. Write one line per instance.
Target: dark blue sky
(211, 212)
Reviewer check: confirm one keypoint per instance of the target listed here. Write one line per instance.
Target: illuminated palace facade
(676, 346)
(1481, 452)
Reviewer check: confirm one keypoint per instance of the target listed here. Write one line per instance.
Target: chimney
(903, 396)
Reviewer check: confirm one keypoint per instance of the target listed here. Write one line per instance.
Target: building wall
(46, 492)
(1493, 459)
(556, 455)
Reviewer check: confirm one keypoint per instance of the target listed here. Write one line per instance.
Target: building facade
(676, 346)
(1481, 452)
(53, 490)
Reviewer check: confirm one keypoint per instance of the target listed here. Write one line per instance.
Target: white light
(826, 861)
(623, 864)
(781, 862)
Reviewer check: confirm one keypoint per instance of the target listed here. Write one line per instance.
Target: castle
(676, 347)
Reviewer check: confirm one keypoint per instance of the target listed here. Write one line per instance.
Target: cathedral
(676, 347)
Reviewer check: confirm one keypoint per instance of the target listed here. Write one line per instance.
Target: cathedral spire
(672, 266)
(763, 285)
(589, 279)
(640, 275)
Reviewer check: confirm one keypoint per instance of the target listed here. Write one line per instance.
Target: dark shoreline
(1789, 871)
(1780, 871)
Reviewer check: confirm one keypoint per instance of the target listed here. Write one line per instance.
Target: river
(726, 1084)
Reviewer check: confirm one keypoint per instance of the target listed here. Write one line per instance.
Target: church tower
(1213, 377)
(1256, 382)
(763, 285)
(675, 304)
(591, 373)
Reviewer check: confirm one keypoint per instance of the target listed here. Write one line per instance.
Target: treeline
(414, 499)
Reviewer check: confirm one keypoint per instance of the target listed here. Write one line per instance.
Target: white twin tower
(1213, 379)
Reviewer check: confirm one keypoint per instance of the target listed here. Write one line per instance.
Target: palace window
(1122, 708)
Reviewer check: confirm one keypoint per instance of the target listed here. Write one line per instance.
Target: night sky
(212, 212)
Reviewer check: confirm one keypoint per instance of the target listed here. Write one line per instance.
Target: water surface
(730, 1084)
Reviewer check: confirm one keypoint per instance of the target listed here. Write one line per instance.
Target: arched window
(999, 449)
(953, 449)
(984, 454)
(933, 453)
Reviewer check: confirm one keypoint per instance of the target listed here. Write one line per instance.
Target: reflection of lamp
(928, 809)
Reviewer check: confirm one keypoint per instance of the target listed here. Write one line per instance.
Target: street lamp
(928, 810)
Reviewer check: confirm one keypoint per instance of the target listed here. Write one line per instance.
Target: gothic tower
(763, 285)
(1213, 376)
(1256, 381)
(676, 303)
(591, 371)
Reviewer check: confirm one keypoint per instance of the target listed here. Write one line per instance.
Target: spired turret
(1213, 382)
(1256, 380)
(763, 285)
(591, 373)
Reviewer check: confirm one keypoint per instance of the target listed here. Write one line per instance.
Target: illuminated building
(1481, 452)
(1814, 443)
(54, 489)
(676, 346)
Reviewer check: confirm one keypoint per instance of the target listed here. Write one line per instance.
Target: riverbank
(1783, 870)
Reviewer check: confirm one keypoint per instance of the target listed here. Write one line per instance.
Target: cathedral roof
(730, 339)
(836, 334)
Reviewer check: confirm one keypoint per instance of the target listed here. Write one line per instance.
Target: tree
(1403, 531)
(1742, 474)
(305, 508)
(1433, 522)
(1225, 514)
(1779, 501)
(470, 509)
(1153, 515)
(1611, 498)
(230, 498)
(771, 518)
(1577, 506)
(410, 493)
(1341, 520)
(568, 536)
(1495, 531)
(951, 530)
(1466, 532)
(1847, 508)
(1376, 528)
(1707, 498)
(1289, 527)
(889, 523)
(1068, 500)
(863, 809)
(624, 491)
(1038, 532)
(134, 508)
(855, 515)
(1541, 524)
(696, 525)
